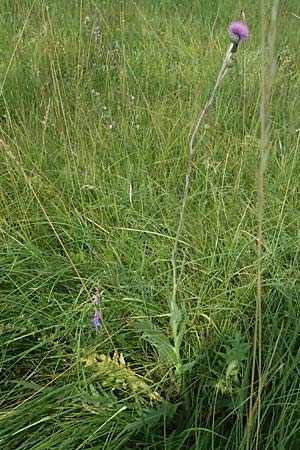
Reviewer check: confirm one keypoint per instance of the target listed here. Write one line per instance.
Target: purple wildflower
(238, 31)
(97, 321)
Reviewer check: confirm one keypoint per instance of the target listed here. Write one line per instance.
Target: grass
(95, 120)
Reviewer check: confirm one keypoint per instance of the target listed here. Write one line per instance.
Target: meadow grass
(98, 102)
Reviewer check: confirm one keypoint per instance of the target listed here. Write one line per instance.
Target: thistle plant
(237, 32)
(170, 349)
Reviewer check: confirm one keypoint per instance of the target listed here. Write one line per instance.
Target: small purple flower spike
(97, 321)
(238, 31)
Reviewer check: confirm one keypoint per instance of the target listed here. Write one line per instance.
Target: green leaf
(152, 418)
(238, 350)
(159, 340)
(176, 315)
(188, 366)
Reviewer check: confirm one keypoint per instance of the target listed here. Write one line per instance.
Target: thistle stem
(220, 77)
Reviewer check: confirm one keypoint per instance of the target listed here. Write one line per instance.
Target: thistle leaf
(160, 341)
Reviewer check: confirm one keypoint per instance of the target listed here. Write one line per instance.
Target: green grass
(95, 120)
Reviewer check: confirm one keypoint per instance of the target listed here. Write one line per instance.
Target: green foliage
(237, 351)
(97, 105)
(235, 356)
(115, 376)
(160, 341)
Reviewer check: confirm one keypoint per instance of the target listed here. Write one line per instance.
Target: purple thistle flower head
(97, 321)
(238, 31)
